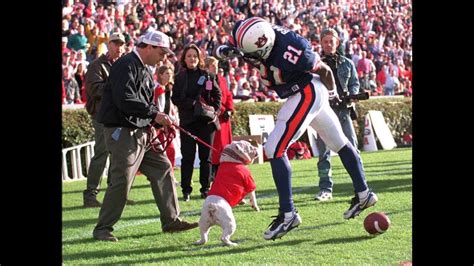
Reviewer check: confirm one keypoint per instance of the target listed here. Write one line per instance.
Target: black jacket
(185, 95)
(127, 100)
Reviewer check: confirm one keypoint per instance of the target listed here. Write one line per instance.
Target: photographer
(347, 84)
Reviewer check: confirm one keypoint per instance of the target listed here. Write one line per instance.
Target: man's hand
(227, 52)
(168, 130)
(334, 96)
(163, 119)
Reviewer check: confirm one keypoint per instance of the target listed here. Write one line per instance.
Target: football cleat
(358, 206)
(279, 227)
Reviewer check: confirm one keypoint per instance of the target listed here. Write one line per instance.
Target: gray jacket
(96, 77)
(347, 75)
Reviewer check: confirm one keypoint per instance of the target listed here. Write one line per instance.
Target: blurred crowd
(376, 35)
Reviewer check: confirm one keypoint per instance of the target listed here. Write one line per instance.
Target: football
(376, 223)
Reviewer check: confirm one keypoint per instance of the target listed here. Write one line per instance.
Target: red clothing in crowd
(223, 136)
(363, 66)
(64, 92)
(407, 74)
(170, 150)
(159, 90)
(232, 182)
(381, 77)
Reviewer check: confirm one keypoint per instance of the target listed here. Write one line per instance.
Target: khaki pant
(127, 155)
(98, 162)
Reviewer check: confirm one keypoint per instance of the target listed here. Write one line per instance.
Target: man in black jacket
(126, 111)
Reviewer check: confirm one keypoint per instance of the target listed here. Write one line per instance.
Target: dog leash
(194, 137)
(155, 142)
(161, 139)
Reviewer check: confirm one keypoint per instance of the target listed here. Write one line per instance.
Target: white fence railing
(75, 171)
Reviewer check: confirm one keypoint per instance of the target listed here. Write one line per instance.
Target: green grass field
(324, 237)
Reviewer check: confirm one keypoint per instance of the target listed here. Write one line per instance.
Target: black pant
(205, 132)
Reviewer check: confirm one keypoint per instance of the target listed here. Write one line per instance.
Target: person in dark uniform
(289, 66)
(127, 110)
(194, 84)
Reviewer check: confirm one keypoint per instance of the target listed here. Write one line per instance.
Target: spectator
(365, 65)
(81, 59)
(64, 48)
(372, 84)
(347, 83)
(63, 95)
(65, 28)
(391, 82)
(194, 84)
(79, 74)
(66, 59)
(382, 28)
(222, 136)
(243, 91)
(96, 38)
(233, 87)
(78, 41)
(95, 80)
(73, 93)
(162, 97)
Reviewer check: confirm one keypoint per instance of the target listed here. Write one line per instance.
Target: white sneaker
(358, 206)
(323, 195)
(280, 226)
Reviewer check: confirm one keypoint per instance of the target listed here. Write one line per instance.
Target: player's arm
(309, 61)
(326, 75)
(327, 78)
(226, 51)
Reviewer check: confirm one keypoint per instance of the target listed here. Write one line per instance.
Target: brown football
(376, 223)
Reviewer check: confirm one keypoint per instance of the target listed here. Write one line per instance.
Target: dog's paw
(199, 242)
(230, 243)
(256, 208)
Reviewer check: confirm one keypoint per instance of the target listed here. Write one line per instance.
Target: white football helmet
(254, 37)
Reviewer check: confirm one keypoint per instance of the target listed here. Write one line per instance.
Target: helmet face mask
(254, 59)
(254, 37)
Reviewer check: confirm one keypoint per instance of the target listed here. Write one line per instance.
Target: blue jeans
(324, 162)
(389, 91)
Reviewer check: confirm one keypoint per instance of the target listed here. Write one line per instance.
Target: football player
(288, 65)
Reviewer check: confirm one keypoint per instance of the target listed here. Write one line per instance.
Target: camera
(346, 98)
(360, 96)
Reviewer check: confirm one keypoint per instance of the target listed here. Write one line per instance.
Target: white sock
(363, 195)
(288, 216)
